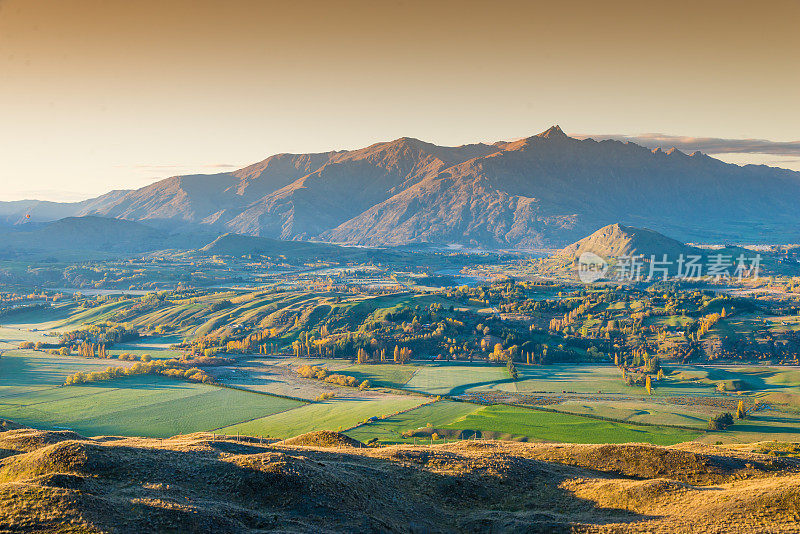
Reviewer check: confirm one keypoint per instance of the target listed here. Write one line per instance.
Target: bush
(320, 373)
(172, 368)
(720, 421)
(325, 396)
(220, 305)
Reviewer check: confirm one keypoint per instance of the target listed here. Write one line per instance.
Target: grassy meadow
(336, 414)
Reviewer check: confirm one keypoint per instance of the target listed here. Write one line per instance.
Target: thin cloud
(709, 145)
(154, 167)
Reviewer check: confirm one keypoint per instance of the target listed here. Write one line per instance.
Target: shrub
(720, 421)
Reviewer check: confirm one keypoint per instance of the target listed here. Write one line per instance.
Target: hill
(91, 233)
(545, 190)
(20, 212)
(617, 240)
(239, 245)
(201, 483)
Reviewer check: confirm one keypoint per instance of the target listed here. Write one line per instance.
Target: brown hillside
(51, 481)
(323, 438)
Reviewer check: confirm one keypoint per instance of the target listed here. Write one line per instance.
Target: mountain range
(542, 191)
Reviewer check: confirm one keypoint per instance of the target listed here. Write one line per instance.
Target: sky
(98, 95)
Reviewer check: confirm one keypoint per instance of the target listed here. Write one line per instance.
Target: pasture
(640, 411)
(386, 375)
(594, 379)
(390, 429)
(335, 414)
(457, 378)
(514, 422)
(22, 371)
(156, 347)
(152, 406)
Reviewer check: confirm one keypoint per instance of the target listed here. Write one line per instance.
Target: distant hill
(545, 190)
(240, 245)
(21, 212)
(617, 240)
(300, 251)
(93, 234)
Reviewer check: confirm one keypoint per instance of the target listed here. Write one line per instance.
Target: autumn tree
(741, 413)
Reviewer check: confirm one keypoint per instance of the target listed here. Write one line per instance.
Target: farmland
(146, 406)
(339, 414)
(399, 357)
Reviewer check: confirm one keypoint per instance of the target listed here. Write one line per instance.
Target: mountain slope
(212, 199)
(551, 189)
(344, 187)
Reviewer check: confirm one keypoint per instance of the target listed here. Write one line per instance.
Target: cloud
(154, 167)
(709, 145)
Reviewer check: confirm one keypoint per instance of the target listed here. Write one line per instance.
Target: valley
(380, 347)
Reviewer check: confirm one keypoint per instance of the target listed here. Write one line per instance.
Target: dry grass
(58, 481)
(323, 438)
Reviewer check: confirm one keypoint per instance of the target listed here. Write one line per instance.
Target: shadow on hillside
(255, 487)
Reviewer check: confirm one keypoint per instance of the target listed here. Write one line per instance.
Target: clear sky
(108, 94)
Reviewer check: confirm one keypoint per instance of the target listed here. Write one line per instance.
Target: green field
(12, 336)
(22, 371)
(594, 379)
(339, 414)
(386, 375)
(639, 412)
(31, 393)
(390, 429)
(155, 353)
(137, 406)
(515, 422)
(767, 425)
(457, 378)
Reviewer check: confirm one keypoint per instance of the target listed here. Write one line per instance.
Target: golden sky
(106, 94)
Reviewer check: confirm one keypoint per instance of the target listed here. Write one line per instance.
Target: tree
(720, 421)
(402, 355)
(648, 384)
(512, 369)
(741, 412)
(498, 353)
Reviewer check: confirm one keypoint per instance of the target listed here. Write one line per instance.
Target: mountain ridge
(544, 190)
